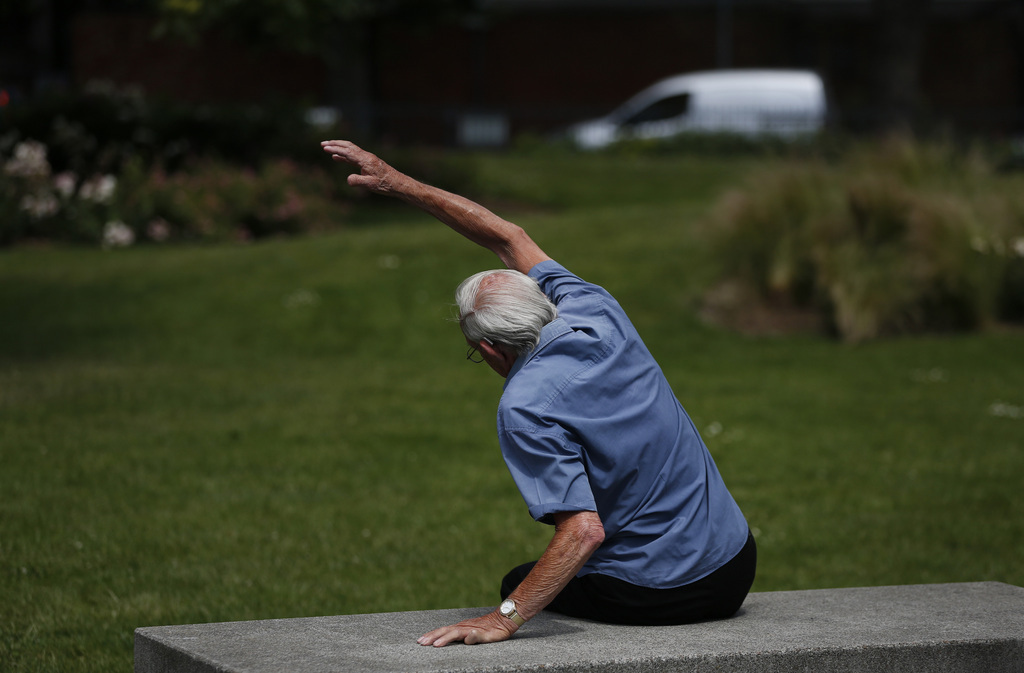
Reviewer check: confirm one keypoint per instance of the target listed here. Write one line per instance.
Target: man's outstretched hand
(491, 628)
(374, 174)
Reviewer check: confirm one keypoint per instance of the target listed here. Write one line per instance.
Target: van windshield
(665, 108)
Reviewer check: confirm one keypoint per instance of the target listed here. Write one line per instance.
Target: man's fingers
(337, 145)
(433, 636)
(372, 171)
(342, 150)
(441, 637)
(452, 636)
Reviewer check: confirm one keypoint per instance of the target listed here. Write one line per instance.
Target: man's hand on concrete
(374, 174)
(491, 628)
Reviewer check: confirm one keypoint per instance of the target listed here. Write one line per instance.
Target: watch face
(507, 607)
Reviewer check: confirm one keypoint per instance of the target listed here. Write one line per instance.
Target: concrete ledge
(933, 628)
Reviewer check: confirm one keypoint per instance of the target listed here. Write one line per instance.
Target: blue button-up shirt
(588, 422)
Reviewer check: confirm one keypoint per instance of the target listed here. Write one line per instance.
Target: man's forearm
(478, 224)
(577, 536)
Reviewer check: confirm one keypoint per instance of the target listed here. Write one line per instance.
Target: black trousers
(608, 599)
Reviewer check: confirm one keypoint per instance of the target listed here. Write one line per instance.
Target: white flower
(29, 160)
(40, 205)
(65, 183)
(99, 188)
(117, 234)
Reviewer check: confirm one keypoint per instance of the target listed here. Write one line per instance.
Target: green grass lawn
(286, 429)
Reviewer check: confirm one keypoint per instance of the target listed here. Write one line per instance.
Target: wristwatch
(508, 609)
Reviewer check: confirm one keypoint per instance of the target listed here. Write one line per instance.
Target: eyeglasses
(475, 357)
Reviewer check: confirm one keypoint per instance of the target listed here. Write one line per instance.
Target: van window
(666, 108)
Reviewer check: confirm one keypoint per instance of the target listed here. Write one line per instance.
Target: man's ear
(498, 354)
(491, 349)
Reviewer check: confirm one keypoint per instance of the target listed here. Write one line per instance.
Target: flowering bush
(90, 166)
(35, 203)
(214, 201)
(211, 201)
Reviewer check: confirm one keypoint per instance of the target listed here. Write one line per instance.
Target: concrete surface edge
(942, 628)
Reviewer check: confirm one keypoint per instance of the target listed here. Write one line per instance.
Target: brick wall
(121, 49)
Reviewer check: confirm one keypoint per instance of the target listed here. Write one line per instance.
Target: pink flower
(65, 183)
(158, 230)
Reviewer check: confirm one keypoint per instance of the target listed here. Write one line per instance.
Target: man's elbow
(591, 534)
(595, 540)
(518, 251)
(584, 529)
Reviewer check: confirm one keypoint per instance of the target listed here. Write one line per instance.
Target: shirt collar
(548, 333)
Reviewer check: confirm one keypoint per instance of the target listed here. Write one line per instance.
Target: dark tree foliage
(304, 25)
(340, 31)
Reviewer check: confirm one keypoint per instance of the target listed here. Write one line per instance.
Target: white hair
(505, 307)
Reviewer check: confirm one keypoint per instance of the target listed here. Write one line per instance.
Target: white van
(786, 103)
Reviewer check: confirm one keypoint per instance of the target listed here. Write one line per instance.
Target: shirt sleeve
(549, 472)
(559, 284)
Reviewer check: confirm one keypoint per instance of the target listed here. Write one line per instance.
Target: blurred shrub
(898, 238)
(211, 201)
(35, 203)
(214, 201)
(764, 235)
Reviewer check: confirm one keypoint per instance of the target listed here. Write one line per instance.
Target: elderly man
(645, 530)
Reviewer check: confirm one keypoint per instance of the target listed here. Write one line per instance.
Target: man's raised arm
(506, 240)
